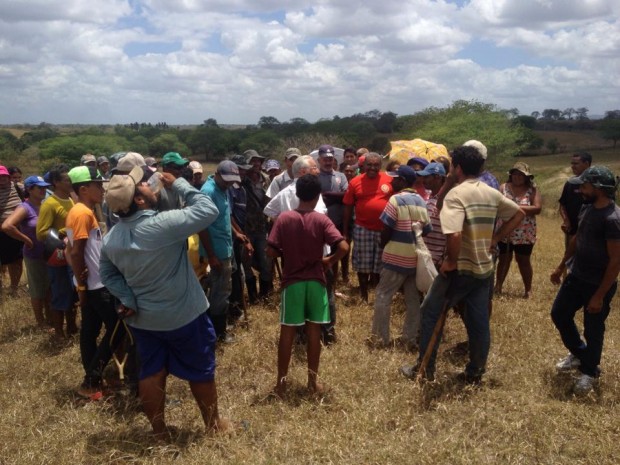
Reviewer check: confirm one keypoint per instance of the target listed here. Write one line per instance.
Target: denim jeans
(389, 284)
(450, 290)
(220, 287)
(100, 310)
(573, 295)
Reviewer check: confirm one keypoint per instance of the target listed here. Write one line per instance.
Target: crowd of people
(155, 249)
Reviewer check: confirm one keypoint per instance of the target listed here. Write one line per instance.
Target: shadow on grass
(560, 387)
(296, 395)
(452, 389)
(127, 443)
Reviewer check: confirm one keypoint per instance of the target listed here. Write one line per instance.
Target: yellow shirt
(53, 214)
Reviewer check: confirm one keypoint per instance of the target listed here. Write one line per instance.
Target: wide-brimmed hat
(522, 168)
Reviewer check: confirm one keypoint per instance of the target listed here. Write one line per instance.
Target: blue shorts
(187, 352)
(63, 292)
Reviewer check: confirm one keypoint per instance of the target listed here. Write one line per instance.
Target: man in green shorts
(304, 296)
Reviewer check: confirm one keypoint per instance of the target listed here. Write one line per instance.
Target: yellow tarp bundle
(403, 150)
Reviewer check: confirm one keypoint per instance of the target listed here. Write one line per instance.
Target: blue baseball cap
(405, 172)
(31, 181)
(432, 168)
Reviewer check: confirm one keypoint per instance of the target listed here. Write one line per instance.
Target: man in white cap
(88, 159)
(285, 178)
(144, 263)
(197, 180)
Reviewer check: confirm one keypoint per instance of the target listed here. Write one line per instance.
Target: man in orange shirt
(368, 194)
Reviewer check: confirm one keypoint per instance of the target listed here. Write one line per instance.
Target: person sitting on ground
(304, 296)
(144, 263)
(520, 188)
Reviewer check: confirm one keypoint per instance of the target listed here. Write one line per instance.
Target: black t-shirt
(572, 201)
(596, 227)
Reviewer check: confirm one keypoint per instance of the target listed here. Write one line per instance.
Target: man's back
(471, 208)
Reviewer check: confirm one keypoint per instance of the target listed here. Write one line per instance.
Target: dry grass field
(523, 413)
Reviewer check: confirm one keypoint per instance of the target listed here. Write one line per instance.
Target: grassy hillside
(523, 413)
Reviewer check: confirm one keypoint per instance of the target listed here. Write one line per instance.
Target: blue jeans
(573, 295)
(450, 290)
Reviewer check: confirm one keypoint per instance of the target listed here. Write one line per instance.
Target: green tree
(167, 142)
(553, 145)
(465, 120)
(610, 130)
(68, 149)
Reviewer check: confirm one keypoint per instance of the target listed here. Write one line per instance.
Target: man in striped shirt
(467, 219)
(434, 175)
(403, 209)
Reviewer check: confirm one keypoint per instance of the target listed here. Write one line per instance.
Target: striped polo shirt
(402, 210)
(471, 208)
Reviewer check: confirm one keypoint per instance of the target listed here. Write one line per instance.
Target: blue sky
(116, 61)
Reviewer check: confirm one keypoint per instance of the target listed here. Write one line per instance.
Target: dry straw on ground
(523, 412)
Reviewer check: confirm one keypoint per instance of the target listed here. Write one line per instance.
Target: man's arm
(609, 278)
(114, 281)
(205, 240)
(78, 263)
(570, 251)
(241, 237)
(341, 250)
(453, 248)
(346, 222)
(386, 235)
(508, 226)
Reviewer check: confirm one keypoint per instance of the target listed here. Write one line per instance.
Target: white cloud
(238, 60)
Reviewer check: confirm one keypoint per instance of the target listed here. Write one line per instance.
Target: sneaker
(411, 372)
(570, 362)
(584, 384)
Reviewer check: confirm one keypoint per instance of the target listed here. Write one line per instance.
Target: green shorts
(304, 301)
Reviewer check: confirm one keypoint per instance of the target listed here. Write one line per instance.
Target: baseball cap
(249, 154)
(326, 150)
(102, 160)
(87, 158)
(4, 171)
(292, 152)
(239, 160)
(271, 165)
(432, 168)
(419, 161)
(477, 145)
(114, 158)
(122, 189)
(229, 171)
(174, 158)
(405, 172)
(150, 161)
(31, 181)
(600, 177)
(84, 174)
(129, 161)
(195, 166)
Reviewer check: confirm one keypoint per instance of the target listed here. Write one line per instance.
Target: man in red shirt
(368, 193)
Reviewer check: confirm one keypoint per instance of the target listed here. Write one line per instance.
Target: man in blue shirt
(144, 263)
(217, 245)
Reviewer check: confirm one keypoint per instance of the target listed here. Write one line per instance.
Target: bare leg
(152, 391)
(525, 268)
(205, 394)
(57, 323)
(70, 316)
(285, 348)
(363, 280)
(15, 273)
(37, 309)
(503, 265)
(313, 331)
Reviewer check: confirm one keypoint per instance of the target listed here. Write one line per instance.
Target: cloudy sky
(183, 61)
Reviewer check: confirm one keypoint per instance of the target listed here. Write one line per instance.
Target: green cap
(600, 177)
(84, 174)
(174, 158)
